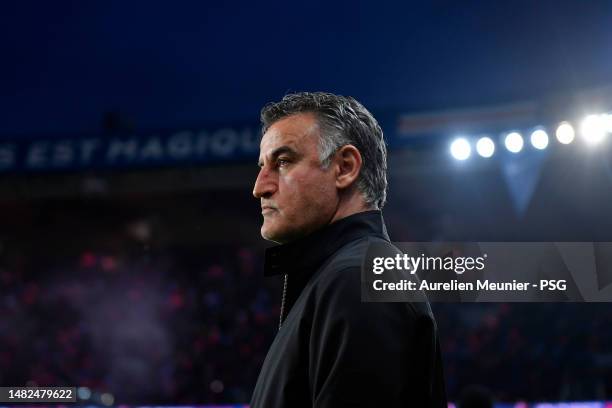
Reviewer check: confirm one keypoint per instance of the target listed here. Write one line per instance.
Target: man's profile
(322, 184)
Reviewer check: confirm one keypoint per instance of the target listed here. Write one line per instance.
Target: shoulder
(338, 286)
(353, 254)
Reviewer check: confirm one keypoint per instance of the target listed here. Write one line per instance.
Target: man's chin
(268, 234)
(274, 235)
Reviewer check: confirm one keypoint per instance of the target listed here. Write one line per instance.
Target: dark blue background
(166, 64)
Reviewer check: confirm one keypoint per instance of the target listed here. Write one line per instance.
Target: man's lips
(267, 209)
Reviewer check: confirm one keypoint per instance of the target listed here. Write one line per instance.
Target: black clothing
(333, 350)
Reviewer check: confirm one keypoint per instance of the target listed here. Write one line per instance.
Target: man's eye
(282, 162)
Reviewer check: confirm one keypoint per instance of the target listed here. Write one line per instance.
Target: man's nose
(265, 185)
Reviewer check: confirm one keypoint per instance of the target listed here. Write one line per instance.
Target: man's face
(297, 195)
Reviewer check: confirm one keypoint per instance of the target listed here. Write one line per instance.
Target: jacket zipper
(283, 300)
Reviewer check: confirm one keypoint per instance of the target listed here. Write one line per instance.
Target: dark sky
(169, 64)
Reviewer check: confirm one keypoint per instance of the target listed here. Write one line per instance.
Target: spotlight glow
(608, 122)
(84, 393)
(593, 128)
(565, 133)
(460, 149)
(107, 399)
(514, 142)
(539, 139)
(485, 147)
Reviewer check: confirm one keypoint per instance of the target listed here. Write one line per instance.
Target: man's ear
(348, 163)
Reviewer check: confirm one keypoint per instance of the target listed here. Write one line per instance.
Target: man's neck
(349, 208)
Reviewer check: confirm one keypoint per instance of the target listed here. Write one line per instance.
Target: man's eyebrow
(278, 151)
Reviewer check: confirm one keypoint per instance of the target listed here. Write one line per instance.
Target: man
(322, 183)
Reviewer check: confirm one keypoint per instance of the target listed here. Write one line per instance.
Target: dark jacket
(332, 350)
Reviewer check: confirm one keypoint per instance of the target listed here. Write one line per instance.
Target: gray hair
(342, 121)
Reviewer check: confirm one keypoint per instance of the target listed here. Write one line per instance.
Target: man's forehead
(295, 131)
(273, 140)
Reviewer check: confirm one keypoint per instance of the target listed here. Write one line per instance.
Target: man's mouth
(266, 209)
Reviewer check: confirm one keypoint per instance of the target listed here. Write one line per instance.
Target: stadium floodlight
(514, 142)
(485, 147)
(608, 122)
(539, 139)
(593, 128)
(461, 149)
(565, 133)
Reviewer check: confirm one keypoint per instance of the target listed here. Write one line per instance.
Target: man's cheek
(287, 184)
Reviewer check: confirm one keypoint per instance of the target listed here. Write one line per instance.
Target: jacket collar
(308, 253)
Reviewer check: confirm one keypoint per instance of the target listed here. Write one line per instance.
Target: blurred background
(130, 255)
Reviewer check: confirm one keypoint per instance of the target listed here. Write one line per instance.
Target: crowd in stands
(528, 352)
(89, 298)
(170, 327)
(185, 326)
